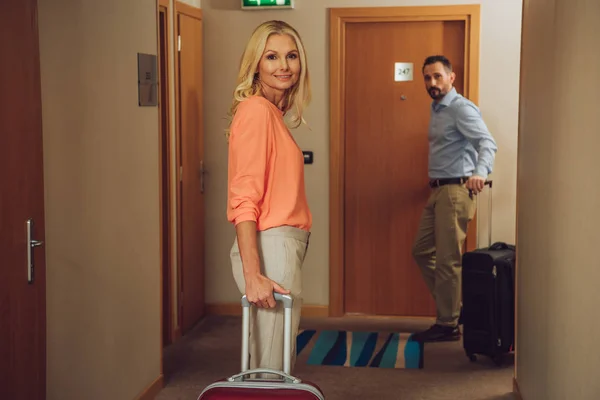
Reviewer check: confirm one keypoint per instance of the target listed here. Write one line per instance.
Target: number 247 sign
(403, 72)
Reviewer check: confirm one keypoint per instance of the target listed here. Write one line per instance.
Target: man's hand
(475, 183)
(259, 291)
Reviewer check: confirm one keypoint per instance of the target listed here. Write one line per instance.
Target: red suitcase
(242, 387)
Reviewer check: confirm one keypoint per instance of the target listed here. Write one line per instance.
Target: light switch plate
(147, 80)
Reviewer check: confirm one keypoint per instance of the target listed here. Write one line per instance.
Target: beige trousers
(438, 247)
(282, 251)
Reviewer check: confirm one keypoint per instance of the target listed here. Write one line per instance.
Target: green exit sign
(266, 4)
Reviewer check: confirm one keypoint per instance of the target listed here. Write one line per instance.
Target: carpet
(211, 351)
(359, 349)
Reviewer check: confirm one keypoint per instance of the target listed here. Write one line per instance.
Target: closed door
(22, 288)
(386, 153)
(192, 170)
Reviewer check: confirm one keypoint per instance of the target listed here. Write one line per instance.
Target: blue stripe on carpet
(325, 341)
(363, 345)
(377, 360)
(357, 350)
(303, 339)
(337, 354)
(413, 354)
(388, 360)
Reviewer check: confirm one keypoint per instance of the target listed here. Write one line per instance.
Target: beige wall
(558, 269)
(193, 3)
(101, 179)
(226, 31)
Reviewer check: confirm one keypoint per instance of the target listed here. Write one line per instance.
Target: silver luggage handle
(287, 378)
(287, 331)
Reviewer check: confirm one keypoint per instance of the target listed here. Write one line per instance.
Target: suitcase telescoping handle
(489, 211)
(287, 301)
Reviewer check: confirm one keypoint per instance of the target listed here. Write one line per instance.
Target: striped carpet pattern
(360, 349)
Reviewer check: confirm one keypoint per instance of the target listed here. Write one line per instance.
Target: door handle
(31, 244)
(202, 172)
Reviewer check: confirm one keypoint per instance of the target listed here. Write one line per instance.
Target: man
(461, 155)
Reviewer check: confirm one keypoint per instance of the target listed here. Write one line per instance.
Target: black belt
(448, 181)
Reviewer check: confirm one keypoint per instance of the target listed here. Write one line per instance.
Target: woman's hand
(259, 291)
(259, 288)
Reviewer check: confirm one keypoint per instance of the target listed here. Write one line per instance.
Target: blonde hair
(297, 97)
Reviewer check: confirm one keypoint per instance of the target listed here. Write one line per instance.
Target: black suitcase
(488, 295)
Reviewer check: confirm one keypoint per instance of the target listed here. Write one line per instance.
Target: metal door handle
(31, 244)
(202, 172)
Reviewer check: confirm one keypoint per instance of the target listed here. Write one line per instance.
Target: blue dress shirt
(460, 143)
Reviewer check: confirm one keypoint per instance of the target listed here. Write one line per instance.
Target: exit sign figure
(266, 4)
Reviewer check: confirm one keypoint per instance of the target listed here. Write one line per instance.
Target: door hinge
(178, 42)
(181, 172)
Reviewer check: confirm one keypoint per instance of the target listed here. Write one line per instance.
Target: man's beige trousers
(438, 247)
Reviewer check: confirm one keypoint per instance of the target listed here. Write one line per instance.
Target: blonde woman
(266, 196)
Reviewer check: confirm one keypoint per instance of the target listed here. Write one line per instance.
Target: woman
(266, 196)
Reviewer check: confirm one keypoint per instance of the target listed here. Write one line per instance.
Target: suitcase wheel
(498, 360)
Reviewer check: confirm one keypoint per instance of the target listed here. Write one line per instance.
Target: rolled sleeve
(470, 123)
(248, 159)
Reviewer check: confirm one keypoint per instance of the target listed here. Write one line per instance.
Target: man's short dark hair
(435, 59)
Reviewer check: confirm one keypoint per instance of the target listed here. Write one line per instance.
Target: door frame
(180, 8)
(338, 20)
(166, 287)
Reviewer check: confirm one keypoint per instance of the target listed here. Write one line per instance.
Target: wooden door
(386, 157)
(191, 148)
(22, 296)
